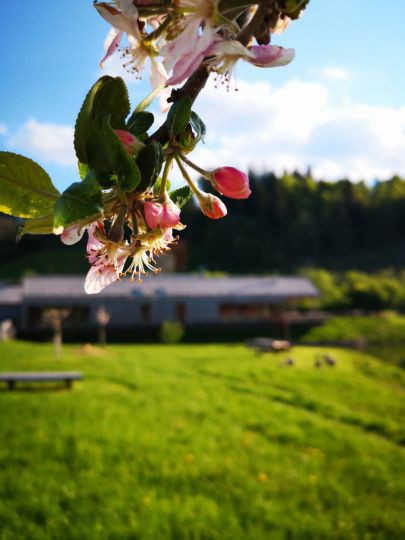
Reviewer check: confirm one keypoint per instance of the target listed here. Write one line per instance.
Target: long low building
(188, 298)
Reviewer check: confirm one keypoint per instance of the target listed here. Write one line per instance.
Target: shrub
(331, 290)
(171, 332)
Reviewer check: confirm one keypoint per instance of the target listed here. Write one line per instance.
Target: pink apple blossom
(187, 51)
(94, 245)
(183, 44)
(225, 53)
(106, 258)
(103, 274)
(111, 43)
(122, 21)
(138, 52)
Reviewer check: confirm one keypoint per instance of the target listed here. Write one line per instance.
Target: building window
(245, 312)
(181, 312)
(146, 313)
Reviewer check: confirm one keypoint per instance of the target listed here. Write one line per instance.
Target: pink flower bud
(131, 144)
(72, 234)
(162, 215)
(152, 213)
(170, 214)
(211, 206)
(231, 183)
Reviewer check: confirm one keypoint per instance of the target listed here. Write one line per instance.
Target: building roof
(175, 285)
(10, 294)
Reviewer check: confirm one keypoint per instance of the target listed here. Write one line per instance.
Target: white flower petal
(111, 44)
(99, 277)
(129, 9)
(115, 17)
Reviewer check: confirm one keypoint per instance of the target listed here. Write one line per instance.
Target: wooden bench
(41, 376)
(262, 345)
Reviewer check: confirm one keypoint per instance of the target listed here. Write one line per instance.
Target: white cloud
(3, 129)
(297, 125)
(292, 126)
(335, 74)
(51, 143)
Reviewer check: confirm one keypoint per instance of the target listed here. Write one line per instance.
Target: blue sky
(338, 107)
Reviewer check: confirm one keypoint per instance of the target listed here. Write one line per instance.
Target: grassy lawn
(202, 442)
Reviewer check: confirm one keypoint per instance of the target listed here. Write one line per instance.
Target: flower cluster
(149, 219)
(123, 202)
(178, 36)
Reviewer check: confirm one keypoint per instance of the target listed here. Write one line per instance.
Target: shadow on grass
(36, 388)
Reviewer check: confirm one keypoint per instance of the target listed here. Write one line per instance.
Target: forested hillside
(294, 221)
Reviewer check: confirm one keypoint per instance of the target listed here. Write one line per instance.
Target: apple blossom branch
(123, 201)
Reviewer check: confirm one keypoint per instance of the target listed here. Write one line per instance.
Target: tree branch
(249, 30)
(191, 88)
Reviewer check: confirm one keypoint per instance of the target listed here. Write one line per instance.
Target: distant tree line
(288, 223)
(293, 221)
(342, 291)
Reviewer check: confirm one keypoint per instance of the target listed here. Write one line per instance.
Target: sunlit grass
(202, 442)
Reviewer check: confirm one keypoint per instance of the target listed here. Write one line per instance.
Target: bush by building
(171, 332)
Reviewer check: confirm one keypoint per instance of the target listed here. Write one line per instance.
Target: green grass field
(202, 442)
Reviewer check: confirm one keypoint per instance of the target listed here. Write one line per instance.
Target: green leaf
(85, 117)
(112, 99)
(193, 134)
(108, 96)
(181, 196)
(25, 188)
(198, 126)
(150, 162)
(40, 225)
(80, 201)
(83, 170)
(107, 157)
(178, 116)
(139, 122)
